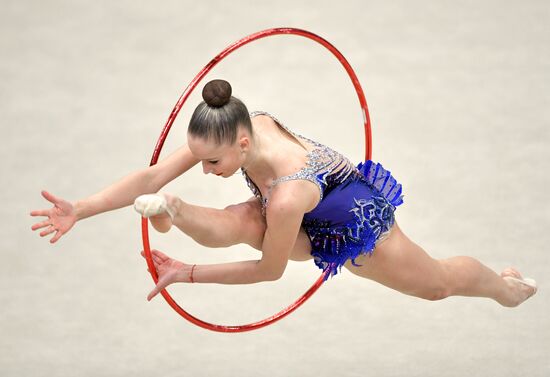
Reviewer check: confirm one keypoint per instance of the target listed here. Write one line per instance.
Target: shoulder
(294, 197)
(260, 118)
(263, 117)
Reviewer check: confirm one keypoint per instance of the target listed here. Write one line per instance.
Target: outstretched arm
(63, 215)
(148, 180)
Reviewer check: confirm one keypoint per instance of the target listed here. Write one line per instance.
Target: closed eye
(214, 162)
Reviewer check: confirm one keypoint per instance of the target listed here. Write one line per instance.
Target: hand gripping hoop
(164, 134)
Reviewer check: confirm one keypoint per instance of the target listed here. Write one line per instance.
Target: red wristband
(191, 274)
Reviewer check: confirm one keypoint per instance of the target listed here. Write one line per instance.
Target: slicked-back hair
(220, 124)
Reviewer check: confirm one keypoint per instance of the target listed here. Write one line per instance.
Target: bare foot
(521, 288)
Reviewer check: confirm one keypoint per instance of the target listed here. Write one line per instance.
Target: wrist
(78, 209)
(187, 273)
(191, 277)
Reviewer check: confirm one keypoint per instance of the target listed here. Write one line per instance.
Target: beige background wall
(458, 93)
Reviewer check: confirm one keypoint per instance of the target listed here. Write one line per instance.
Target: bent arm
(284, 218)
(145, 181)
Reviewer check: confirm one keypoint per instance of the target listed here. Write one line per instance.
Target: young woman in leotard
(309, 202)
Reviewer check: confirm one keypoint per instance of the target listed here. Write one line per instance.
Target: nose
(205, 169)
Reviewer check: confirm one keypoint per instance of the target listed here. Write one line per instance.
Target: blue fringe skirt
(353, 216)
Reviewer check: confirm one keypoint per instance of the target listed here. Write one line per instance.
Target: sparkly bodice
(356, 207)
(323, 166)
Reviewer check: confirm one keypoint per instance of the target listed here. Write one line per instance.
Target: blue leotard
(356, 209)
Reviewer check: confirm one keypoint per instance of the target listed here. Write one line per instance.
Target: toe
(523, 288)
(511, 272)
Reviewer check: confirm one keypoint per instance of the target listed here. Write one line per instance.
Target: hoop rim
(166, 129)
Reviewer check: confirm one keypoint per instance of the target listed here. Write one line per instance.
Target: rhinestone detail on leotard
(321, 163)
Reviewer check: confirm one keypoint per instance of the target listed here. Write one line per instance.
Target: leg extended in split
(235, 224)
(401, 264)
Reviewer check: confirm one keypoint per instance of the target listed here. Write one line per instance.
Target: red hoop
(164, 134)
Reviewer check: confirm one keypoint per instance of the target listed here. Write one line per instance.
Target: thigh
(252, 227)
(302, 248)
(400, 264)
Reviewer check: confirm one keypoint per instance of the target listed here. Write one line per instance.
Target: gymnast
(309, 202)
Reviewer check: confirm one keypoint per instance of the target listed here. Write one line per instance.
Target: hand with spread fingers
(60, 218)
(169, 271)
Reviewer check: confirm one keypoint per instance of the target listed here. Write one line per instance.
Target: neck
(259, 159)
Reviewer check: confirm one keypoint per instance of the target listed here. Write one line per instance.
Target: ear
(244, 143)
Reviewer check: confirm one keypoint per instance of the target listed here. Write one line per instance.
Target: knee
(442, 284)
(435, 293)
(437, 289)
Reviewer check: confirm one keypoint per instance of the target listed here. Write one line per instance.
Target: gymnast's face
(220, 159)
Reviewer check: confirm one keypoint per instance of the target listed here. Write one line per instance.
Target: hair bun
(216, 93)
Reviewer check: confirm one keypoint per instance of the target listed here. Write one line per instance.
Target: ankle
(173, 205)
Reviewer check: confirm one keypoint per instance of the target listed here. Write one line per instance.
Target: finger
(41, 225)
(157, 260)
(50, 230)
(42, 212)
(161, 284)
(153, 274)
(153, 293)
(163, 257)
(50, 197)
(56, 237)
(156, 257)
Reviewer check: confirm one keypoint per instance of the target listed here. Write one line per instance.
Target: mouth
(219, 174)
